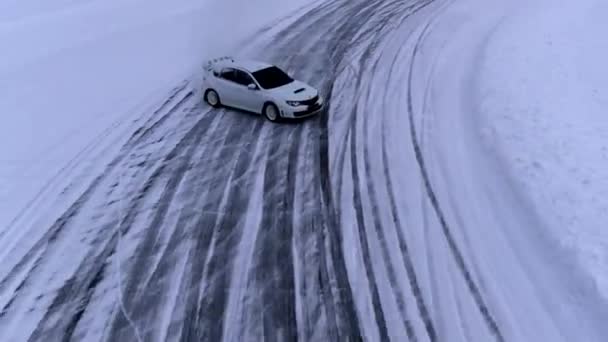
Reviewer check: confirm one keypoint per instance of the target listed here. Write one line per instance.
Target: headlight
(294, 103)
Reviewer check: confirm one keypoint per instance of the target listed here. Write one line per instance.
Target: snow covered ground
(542, 94)
(454, 190)
(72, 69)
(470, 228)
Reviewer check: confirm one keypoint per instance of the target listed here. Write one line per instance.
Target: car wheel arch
(219, 98)
(269, 103)
(272, 103)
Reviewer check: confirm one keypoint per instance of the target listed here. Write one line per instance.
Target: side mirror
(252, 86)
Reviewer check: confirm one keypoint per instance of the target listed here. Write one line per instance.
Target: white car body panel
(236, 95)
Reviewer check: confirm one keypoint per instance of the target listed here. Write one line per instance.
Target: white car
(260, 88)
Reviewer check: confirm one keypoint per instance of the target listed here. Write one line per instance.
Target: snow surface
(543, 96)
(71, 69)
(448, 201)
(462, 214)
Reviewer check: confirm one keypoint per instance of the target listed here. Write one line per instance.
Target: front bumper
(302, 111)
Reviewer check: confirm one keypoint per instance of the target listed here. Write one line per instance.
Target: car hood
(295, 91)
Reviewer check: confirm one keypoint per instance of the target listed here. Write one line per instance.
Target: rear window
(272, 77)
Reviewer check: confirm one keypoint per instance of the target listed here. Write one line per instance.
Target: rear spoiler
(209, 65)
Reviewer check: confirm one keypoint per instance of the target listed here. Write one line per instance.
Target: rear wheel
(212, 98)
(271, 112)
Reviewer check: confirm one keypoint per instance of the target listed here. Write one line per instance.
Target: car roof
(251, 66)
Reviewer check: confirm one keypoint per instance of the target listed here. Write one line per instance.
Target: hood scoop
(299, 90)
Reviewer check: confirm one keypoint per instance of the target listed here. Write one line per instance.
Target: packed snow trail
(370, 222)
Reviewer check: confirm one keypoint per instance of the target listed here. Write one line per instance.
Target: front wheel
(212, 98)
(271, 112)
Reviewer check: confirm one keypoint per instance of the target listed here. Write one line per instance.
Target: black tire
(271, 112)
(213, 98)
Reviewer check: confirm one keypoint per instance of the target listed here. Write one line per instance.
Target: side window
(243, 78)
(228, 74)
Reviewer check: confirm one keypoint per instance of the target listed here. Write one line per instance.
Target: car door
(234, 90)
(227, 88)
(249, 99)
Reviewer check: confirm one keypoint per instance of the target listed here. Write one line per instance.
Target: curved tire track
(474, 290)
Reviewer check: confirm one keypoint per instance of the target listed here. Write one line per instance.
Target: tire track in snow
(176, 174)
(330, 243)
(148, 304)
(106, 251)
(400, 297)
(284, 308)
(154, 280)
(339, 304)
(345, 31)
(82, 199)
(45, 245)
(228, 225)
(233, 316)
(314, 302)
(70, 165)
(212, 237)
(375, 39)
(375, 36)
(379, 229)
(296, 18)
(403, 245)
(360, 222)
(338, 49)
(474, 290)
(78, 157)
(372, 34)
(295, 33)
(72, 299)
(206, 231)
(141, 135)
(142, 269)
(273, 260)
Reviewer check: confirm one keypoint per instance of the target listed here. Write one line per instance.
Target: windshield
(272, 77)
